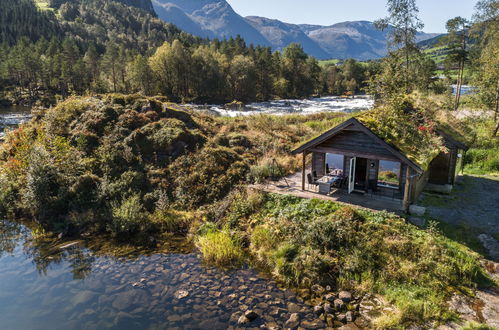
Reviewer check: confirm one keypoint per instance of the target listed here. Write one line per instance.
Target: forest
(104, 46)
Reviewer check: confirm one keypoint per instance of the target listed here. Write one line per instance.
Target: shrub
(128, 217)
(207, 176)
(220, 248)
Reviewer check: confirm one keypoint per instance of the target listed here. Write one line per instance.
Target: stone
(345, 296)
(312, 324)
(350, 316)
(349, 326)
(243, 320)
(318, 310)
(328, 309)
(126, 299)
(123, 320)
(330, 297)
(251, 315)
(293, 321)
(417, 210)
(83, 297)
(180, 294)
(293, 308)
(342, 317)
(339, 305)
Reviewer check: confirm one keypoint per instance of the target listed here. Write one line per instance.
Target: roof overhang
(361, 127)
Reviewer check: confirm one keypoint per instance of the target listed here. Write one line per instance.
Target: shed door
(351, 176)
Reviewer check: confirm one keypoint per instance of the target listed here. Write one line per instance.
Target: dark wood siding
(442, 168)
(420, 182)
(355, 141)
(319, 163)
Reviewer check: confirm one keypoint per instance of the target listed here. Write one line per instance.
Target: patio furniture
(327, 168)
(311, 181)
(326, 182)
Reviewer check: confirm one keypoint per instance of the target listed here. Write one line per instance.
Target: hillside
(88, 21)
(216, 18)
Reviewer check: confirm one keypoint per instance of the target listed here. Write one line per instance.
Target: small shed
(369, 164)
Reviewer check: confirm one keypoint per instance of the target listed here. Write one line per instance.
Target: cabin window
(335, 163)
(389, 174)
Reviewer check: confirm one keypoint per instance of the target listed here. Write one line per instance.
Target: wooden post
(407, 190)
(303, 171)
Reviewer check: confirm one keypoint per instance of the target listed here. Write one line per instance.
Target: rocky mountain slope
(216, 18)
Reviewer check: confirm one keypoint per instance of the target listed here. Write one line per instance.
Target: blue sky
(433, 13)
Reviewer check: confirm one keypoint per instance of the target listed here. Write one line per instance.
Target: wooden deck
(291, 185)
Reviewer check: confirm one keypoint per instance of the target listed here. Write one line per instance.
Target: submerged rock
(293, 321)
(318, 310)
(251, 315)
(180, 294)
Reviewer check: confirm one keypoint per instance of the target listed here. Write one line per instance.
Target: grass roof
(407, 129)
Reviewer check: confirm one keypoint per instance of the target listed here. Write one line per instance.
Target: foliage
(305, 242)
(220, 248)
(408, 127)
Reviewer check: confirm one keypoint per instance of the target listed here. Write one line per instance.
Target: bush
(207, 176)
(128, 217)
(219, 248)
(482, 161)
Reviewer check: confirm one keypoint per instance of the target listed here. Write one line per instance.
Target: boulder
(318, 310)
(251, 314)
(330, 297)
(243, 320)
(345, 296)
(339, 305)
(328, 309)
(293, 308)
(293, 321)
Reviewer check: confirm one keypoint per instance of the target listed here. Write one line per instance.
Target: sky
(433, 13)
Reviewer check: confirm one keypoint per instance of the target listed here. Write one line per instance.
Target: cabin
(354, 158)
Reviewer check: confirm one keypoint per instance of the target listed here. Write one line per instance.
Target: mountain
(216, 18)
(281, 34)
(208, 18)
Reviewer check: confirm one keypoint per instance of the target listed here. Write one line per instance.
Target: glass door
(351, 177)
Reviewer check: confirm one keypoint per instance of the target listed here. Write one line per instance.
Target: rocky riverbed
(73, 287)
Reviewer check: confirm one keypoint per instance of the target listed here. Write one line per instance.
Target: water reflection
(48, 284)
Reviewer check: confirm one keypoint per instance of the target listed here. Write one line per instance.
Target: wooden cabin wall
(372, 177)
(452, 166)
(319, 163)
(440, 168)
(418, 185)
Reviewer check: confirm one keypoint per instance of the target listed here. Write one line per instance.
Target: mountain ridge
(217, 19)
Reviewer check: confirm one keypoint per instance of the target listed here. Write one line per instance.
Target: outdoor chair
(327, 168)
(314, 174)
(311, 182)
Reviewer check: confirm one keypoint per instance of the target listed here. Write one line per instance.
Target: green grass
(218, 247)
(303, 242)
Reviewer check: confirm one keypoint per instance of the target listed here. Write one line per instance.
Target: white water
(304, 107)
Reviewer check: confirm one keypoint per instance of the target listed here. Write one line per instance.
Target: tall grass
(218, 247)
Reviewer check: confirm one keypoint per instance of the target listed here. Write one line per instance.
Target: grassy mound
(304, 242)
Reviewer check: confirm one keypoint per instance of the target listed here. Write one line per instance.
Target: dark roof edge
(321, 138)
(452, 140)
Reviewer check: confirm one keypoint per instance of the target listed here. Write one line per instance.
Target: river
(12, 116)
(48, 284)
(298, 106)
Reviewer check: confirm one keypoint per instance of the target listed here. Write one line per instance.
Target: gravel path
(475, 203)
